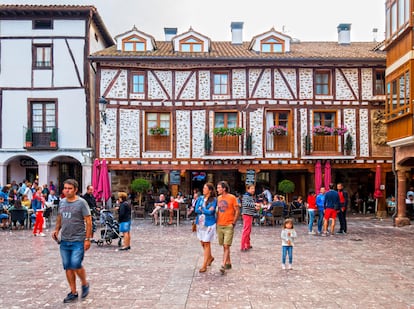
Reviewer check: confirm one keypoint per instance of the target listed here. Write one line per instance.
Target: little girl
(288, 235)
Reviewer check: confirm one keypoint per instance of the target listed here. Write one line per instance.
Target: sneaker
(323, 234)
(70, 298)
(41, 234)
(311, 233)
(283, 266)
(290, 266)
(85, 290)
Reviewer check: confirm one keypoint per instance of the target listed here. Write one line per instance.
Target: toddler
(288, 235)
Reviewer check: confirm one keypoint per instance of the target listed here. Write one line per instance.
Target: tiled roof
(226, 50)
(56, 11)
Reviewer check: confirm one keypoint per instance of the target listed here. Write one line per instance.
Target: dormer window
(272, 45)
(191, 44)
(133, 43)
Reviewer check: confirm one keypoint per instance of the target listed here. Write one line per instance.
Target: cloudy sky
(306, 20)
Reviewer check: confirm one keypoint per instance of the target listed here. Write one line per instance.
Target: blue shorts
(4, 216)
(125, 226)
(72, 253)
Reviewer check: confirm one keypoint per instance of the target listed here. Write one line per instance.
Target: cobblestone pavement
(370, 267)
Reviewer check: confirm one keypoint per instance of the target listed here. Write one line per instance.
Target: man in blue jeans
(75, 224)
(320, 203)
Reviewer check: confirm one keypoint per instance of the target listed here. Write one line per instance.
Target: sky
(305, 20)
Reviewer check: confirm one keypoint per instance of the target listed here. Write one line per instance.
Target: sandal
(222, 270)
(211, 260)
(202, 269)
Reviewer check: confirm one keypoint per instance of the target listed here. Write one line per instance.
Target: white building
(47, 90)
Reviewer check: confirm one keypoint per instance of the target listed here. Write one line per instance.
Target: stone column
(43, 170)
(401, 219)
(86, 176)
(3, 174)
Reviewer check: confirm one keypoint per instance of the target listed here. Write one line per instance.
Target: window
(379, 86)
(322, 82)
(42, 122)
(191, 44)
(42, 56)
(398, 96)
(325, 119)
(225, 120)
(272, 45)
(221, 83)
(42, 24)
(133, 43)
(158, 132)
(138, 82)
(279, 139)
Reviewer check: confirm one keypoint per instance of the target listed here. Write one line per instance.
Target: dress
(206, 219)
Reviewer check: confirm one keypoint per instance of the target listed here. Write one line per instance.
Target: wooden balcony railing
(281, 143)
(325, 143)
(228, 143)
(158, 143)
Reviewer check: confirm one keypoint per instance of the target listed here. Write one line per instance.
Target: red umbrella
(327, 174)
(378, 192)
(95, 178)
(104, 187)
(318, 176)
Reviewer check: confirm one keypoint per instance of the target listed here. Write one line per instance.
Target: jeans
(287, 250)
(311, 214)
(320, 220)
(342, 220)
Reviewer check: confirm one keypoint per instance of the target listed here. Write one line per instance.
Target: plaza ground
(370, 267)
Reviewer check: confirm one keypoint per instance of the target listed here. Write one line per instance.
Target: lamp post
(102, 108)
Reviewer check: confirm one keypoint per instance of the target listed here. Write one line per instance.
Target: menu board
(250, 177)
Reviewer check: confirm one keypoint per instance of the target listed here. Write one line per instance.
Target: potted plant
(157, 131)
(140, 186)
(308, 145)
(348, 144)
(286, 186)
(277, 131)
(340, 130)
(207, 143)
(53, 138)
(249, 144)
(228, 131)
(29, 138)
(322, 130)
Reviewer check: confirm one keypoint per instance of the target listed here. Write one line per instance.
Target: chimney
(344, 34)
(375, 34)
(170, 33)
(236, 32)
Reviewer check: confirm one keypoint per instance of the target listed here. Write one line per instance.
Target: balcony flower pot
(277, 131)
(29, 138)
(228, 131)
(53, 138)
(348, 144)
(157, 131)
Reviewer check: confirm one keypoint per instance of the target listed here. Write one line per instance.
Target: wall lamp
(102, 108)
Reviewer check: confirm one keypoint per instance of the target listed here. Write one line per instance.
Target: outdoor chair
(277, 216)
(18, 215)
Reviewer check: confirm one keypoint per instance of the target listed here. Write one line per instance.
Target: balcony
(280, 143)
(226, 143)
(41, 140)
(325, 144)
(158, 142)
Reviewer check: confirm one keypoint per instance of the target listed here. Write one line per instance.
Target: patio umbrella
(377, 192)
(104, 188)
(95, 178)
(327, 174)
(318, 176)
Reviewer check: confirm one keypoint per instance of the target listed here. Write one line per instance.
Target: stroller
(110, 230)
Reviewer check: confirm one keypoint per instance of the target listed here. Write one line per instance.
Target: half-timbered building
(46, 90)
(399, 102)
(187, 109)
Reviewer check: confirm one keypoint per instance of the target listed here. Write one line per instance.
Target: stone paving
(370, 267)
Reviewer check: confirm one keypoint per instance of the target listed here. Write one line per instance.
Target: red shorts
(330, 213)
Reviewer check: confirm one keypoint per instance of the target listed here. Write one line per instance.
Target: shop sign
(28, 163)
(175, 178)
(250, 177)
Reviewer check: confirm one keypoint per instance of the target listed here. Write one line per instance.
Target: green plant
(207, 143)
(53, 135)
(348, 143)
(228, 131)
(308, 145)
(29, 135)
(140, 186)
(286, 186)
(249, 143)
(157, 131)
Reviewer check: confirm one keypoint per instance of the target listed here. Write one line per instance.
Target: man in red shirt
(227, 214)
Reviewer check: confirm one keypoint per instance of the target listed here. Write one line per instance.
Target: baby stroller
(110, 230)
